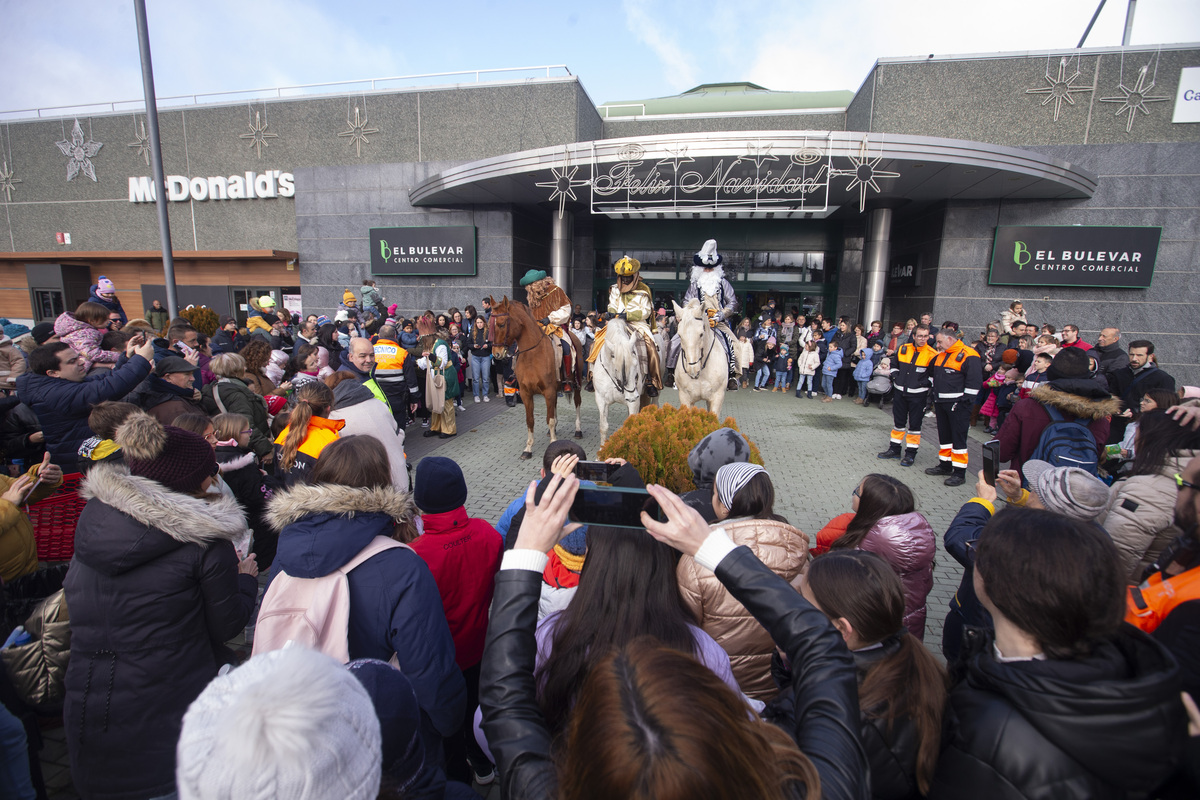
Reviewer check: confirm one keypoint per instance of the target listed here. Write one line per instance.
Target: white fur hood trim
(185, 519)
(303, 500)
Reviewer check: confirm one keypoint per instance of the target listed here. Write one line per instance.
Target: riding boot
(566, 384)
(734, 372)
(651, 389)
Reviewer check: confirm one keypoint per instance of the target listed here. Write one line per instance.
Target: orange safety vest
(1148, 604)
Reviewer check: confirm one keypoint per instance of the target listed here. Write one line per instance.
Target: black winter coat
(225, 342)
(238, 398)
(826, 728)
(1107, 726)
(19, 424)
(62, 406)
(154, 592)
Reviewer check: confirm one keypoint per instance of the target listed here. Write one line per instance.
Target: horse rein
(703, 362)
(622, 385)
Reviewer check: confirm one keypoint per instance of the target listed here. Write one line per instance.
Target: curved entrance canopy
(805, 174)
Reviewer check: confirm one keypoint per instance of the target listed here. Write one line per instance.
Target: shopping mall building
(1067, 179)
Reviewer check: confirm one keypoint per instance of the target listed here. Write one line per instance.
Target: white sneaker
(476, 398)
(487, 399)
(837, 397)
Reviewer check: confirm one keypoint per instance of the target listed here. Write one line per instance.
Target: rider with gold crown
(631, 300)
(551, 307)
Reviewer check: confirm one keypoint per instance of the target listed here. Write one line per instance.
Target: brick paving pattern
(815, 452)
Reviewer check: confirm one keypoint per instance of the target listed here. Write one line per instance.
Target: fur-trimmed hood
(1081, 407)
(304, 500)
(141, 520)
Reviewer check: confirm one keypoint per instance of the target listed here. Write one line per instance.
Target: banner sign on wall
(904, 270)
(1187, 98)
(1074, 255)
(447, 250)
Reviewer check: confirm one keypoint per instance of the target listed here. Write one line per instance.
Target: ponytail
(312, 400)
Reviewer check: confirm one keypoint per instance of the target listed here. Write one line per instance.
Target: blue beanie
(440, 486)
(15, 329)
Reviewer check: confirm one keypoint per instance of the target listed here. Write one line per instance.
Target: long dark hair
(327, 338)
(756, 500)
(296, 363)
(908, 684)
(1160, 437)
(881, 496)
(1162, 398)
(627, 589)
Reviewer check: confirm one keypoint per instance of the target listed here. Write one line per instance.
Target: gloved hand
(544, 321)
(622, 317)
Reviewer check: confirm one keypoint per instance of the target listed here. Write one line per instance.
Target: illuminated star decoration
(142, 144)
(7, 182)
(677, 157)
(258, 135)
(1060, 88)
(564, 184)
(1135, 99)
(865, 172)
(358, 132)
(80, 153)
(758, 155)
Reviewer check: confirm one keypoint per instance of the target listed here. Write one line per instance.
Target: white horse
(617, 373)
(703, 367)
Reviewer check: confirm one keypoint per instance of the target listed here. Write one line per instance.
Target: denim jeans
(827, 383)
(15, 780)
(803, 381)
(781, 379)
(862, 389)
(481, 368)
(763, 375)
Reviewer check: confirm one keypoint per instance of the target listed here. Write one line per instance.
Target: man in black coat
(227, 339)
(59, 391)
(1111, 358)
(1132, 383)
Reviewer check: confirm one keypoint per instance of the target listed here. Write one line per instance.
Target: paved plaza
(815, 452)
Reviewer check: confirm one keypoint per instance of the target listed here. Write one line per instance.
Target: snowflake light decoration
(357, 134)
(676, 157)
(7, 182)
(258, 134)
(758, 154)
(1135, 99)
(80, 152)
(564, 183)
(141, 143)
(865, 172)
(1060, 88)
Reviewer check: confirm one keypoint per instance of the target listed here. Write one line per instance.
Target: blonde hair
(228, 365)
(229, 425)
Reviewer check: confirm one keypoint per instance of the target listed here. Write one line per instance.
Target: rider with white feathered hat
(710, 286)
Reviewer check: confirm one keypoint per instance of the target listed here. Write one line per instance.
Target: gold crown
(627, 266)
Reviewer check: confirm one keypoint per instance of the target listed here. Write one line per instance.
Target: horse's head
(692, 320)
(499, 324)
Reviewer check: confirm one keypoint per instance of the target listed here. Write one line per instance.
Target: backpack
(312, 612)
(1067, 443)
(1149, 603)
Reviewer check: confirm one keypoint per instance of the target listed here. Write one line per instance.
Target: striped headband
(731, 478)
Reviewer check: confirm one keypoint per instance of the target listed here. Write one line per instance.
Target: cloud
(679, 66)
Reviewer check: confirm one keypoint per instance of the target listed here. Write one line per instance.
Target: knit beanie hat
(323, 320)
(399, 713)
(15, 329)
(392, 309)
(1069, 491)
(224, 320)
(288, 723)
(266, 301)
(42, 332)
(1009, 356)
(176, 458)
(731, 478)
(348, 297)
(105, 286)
(439, 485)
(722, 446)
(1070, 362)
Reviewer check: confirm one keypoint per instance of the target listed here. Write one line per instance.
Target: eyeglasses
(857, 492)
(210, 438)
(1181, 483)
(247, 431)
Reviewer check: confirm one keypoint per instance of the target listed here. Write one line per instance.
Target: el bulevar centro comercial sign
(1074, 255)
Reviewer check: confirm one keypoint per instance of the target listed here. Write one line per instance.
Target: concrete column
(562, 249)
(875, 263)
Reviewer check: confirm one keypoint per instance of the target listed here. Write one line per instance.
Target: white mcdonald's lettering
(251, 185)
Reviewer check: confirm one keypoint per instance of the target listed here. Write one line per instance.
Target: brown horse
(536, 363)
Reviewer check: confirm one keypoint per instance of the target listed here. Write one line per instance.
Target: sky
(75, 52)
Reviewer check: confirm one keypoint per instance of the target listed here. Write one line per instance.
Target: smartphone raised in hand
(594, 471)
(614, 506)
(991, 461)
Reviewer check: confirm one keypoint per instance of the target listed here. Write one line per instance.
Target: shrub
(657, 440)
(202, 318)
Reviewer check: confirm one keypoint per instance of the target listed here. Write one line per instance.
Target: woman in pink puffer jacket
(83, 330)
(885, 522)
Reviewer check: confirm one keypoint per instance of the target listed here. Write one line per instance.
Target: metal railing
(281, 92)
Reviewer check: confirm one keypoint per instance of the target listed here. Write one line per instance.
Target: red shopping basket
(54, 520)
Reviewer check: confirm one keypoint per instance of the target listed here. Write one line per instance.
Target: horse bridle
(622, 385)
(703, 362)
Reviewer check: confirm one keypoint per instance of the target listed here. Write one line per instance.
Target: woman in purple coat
(886, 523)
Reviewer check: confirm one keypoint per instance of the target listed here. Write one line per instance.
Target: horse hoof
(578, 434)
(526, 455)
